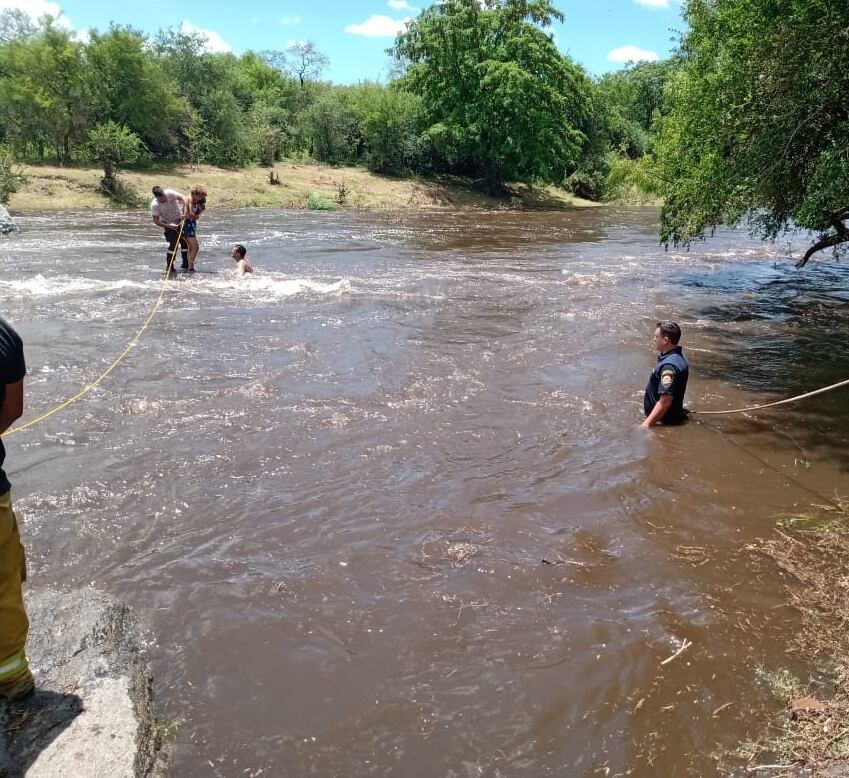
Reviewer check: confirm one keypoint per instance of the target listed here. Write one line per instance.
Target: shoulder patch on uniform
(667, 377)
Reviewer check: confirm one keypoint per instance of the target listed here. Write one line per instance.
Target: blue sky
(354, 34)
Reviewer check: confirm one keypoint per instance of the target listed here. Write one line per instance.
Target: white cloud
(35, 9)
(289, 19)
(632, 54)
(399, 5)
(214, 42)
(378, 26)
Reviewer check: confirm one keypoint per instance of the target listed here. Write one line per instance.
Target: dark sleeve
(668, 377)
(12, 365)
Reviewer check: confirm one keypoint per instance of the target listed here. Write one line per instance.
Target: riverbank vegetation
(813, 733)
(756, 128)
(745, 123)
(481, 93)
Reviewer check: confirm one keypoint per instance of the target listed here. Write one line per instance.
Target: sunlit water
(384, 507)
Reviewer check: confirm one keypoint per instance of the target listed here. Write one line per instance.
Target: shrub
(584, 185)
(316, 201)
(12, 176)
(113, 146)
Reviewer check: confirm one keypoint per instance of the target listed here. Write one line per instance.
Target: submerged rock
(91, 714)
(7, 223)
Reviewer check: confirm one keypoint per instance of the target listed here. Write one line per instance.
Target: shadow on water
(780, 332)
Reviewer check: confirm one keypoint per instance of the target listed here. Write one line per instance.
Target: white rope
(780, 402)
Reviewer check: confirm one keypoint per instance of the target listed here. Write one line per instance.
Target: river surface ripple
(328, 489)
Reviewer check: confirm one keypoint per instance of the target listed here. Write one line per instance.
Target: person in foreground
(242, 265)
(664, 399)
(15, 676)
(166, 208)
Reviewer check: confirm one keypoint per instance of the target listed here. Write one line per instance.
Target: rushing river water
(328, 489)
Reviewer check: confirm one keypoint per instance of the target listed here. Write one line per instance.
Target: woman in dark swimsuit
(195, 206)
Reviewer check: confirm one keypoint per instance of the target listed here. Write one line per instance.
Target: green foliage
(758, 127)
(334, 128)
(390, 121)
(632, 180)
(316, 201)
(584, 185)
(267, 123)
(635, 100)
(228, 135)
(131, 88)
(495, 90)
(482, 91)
(113, 146)
(44, 93)
(126, 195)
(15, 23)
(12, 176)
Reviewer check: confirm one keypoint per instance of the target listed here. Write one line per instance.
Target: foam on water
(52, 286)
(266, 286)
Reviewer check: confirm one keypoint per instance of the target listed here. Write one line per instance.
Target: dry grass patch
(77, 188)
(813, 549)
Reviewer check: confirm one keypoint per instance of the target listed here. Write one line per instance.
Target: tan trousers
(13, 618)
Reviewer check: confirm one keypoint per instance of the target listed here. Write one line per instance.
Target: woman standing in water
(195, 206)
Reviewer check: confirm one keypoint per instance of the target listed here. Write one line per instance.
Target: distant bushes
(517, 112)
(12, 176)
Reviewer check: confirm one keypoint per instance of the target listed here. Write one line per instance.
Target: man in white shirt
(166, 208)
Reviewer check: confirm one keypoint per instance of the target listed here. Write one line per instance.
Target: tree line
(480, 90)
(746, 122)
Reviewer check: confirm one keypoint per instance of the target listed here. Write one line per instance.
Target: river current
(384, 507)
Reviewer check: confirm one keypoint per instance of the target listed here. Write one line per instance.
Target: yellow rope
(779, 402)
(117, 361)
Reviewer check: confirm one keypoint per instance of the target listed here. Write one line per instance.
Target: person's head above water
(666, 336)
(238, 251)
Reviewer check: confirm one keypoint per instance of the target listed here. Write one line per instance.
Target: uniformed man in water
(664, 398)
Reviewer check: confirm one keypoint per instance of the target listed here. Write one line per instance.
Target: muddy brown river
(384, 507)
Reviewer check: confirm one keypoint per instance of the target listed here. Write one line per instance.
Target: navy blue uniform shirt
(12, 370)
(669, 376)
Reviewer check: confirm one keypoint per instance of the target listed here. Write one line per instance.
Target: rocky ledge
(7, 223)
(91, 714)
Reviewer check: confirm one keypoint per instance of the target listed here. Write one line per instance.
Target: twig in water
(684, 646)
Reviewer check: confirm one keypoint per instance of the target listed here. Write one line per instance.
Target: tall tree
(305, 61)
(131, 88)
(634, 97)
(759, 123)
(15, 23)
(495, 89)
(44, 97)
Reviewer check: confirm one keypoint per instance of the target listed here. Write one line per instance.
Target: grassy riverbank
(302, 185)
(813, 734)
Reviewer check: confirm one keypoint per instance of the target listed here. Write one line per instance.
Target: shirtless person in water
(242, 265)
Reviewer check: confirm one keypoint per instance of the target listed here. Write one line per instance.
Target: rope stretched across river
(779, 402)
(120, 358)
(117, 361)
